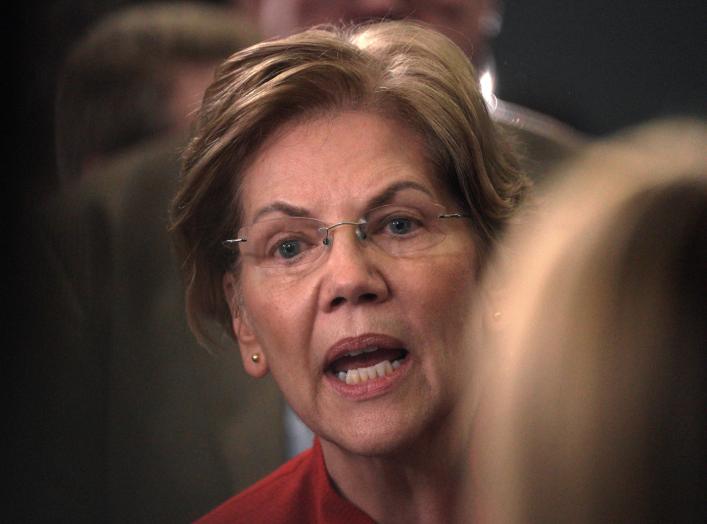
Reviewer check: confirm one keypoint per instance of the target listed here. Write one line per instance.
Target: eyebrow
(387, 195)
(384, 197)
(282, 207)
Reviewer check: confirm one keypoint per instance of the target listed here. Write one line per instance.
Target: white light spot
(486, 85)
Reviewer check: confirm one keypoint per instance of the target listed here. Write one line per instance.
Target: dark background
(601, 65)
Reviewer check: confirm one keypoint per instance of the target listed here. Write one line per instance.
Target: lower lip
(371, 388)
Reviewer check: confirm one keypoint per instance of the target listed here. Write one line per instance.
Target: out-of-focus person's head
(595, 412)
(139, 72)
(469, 23)
(401, 72)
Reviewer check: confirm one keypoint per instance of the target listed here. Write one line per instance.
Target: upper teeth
(355, 376)
(367, 350)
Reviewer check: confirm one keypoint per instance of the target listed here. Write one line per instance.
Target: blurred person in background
(137, 74)
(594, 408)
(139, 424)
(542, 142)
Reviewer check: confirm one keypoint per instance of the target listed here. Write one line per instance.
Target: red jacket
(299, 491)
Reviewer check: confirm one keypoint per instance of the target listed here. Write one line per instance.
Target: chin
(374, 436)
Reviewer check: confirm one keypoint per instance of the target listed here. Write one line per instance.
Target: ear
(248, 343)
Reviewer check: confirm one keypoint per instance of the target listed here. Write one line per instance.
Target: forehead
(334, 164)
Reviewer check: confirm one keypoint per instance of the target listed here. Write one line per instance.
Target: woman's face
(356, 306)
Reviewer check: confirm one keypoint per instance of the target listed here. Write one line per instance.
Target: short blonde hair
(401, 70)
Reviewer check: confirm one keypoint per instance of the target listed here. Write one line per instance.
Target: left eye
(400, 225)
(289, 248)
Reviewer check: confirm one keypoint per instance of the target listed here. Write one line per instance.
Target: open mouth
(356, 367)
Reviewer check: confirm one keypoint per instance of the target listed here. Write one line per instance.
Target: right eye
(285, 242)
(288, 249)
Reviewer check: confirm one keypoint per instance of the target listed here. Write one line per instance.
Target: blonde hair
(400, 70)
(598, 395)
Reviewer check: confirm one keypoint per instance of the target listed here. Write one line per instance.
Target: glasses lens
(283, 242)
(405, 228)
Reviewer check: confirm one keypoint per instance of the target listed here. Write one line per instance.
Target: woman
(596, 413)
(340, 196)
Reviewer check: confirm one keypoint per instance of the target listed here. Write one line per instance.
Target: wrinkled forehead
(337, 163)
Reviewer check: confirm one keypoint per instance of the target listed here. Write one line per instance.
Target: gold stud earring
(255, 357)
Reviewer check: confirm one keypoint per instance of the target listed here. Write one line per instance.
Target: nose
(351, 276)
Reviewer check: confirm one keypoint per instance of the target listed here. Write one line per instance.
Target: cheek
(259, 297)
(277, 315)
(447, 330)
(439, 293)
(445, 303)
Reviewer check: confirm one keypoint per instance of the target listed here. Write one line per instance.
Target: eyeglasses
(292, 243)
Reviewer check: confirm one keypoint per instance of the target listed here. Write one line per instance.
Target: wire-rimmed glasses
(290, 243)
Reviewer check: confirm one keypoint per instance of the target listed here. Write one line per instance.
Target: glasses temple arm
(231, 242)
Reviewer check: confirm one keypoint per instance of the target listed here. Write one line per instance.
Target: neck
(416, 483)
